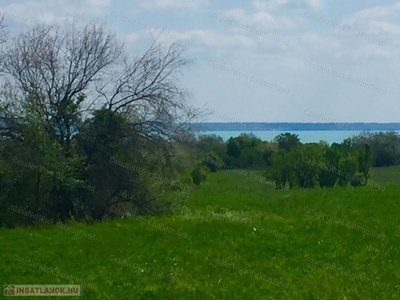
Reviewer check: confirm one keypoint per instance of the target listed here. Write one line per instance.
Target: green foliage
(279, 169)
(384, 147)
(73, 149)
(365, 163)
(357, 179)
(212, 161)
(327, 178)
(309, 165)
(248, 151)
(102, 165)
(287, 141)
(211, 143)
(307, 173)
(299, 166)
(328, 175)
(348, 167)
(233, 148)
(199, 174)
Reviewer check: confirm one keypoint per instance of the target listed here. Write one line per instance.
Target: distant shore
(285, 126)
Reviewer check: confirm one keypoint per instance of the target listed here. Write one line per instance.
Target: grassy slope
(388, 175)
(241, 233)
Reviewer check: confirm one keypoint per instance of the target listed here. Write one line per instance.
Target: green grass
(244, 240)
(389, 175)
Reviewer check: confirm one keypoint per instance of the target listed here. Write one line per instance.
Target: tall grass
(238, 239)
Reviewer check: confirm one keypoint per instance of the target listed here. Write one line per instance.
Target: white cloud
(269, 5)
(174, 4)
(314, 3)
(133, 37)
(219, 39)
(378, 24)
(261, 20)
(194, 38)
(387, 27)
(371, 52)
(54, 11)
(99, 3)
(378, 12)
(376, 20)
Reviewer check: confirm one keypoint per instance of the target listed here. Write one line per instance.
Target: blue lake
(334, 136)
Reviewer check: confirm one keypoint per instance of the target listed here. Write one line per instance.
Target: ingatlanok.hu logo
(41, 290)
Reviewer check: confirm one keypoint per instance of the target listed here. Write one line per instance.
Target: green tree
(233, 148)
(348, 168)
(385, 147)
(247, 151)
(287, 141)
(211, 143)
(135, 114)
(328, 173)
(282, 169)
(364, 163)
(212, 161)
(278, 170)
(306, 160)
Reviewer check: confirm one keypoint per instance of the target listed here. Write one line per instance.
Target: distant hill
(293, 126)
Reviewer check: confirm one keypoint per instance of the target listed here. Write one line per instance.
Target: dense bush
(212, 161)
(247, 151)
(211, 143)
(199, 174)
(385, 147)
(309, 165)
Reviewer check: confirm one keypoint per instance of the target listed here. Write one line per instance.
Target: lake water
(336, 136)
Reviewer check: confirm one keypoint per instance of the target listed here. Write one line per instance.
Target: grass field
(235, 238)
(389, 175)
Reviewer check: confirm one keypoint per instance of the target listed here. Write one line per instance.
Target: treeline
(385, 147)
(321, 164)
(288, 127)
(290, 163)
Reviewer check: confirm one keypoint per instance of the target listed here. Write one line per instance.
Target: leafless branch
(54, 65)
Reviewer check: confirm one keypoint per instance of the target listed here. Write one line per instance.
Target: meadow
(230, 238)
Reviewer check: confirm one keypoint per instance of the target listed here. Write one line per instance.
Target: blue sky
(260, 60)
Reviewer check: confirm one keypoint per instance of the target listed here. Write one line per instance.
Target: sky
(260, 60)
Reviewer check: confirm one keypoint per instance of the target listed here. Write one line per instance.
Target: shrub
(212, 161)
(199, 174)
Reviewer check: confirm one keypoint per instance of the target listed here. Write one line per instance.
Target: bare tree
(3, 33)
(9, 110)
(51, 66)
(147, 89)
(52, 75)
